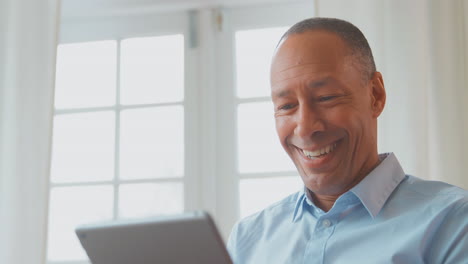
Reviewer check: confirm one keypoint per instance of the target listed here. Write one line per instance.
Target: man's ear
(378, 95)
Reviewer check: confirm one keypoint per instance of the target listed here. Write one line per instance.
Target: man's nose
(309, 122)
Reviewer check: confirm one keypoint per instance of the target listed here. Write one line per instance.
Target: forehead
(312, 52)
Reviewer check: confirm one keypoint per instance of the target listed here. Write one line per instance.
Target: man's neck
(324, 202)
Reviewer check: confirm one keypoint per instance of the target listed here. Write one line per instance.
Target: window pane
(148, 199)
(152, 69)
(72, 206)
(254, 50)
(83, 147)
(86, 74)
(257, 194)
(152, 143)
(259, 147)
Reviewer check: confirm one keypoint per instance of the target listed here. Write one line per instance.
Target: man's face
(325, 112)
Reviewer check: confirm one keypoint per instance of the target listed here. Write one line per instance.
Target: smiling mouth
(320, 152)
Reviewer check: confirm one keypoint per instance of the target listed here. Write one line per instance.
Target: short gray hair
(349, 33)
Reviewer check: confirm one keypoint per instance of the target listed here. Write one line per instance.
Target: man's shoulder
(442, 213)
(435, 193)
(432, 188)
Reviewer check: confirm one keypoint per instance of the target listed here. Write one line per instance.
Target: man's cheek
(280, 130)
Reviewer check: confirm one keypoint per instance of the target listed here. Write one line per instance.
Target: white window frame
(117, 28)
(150, 24)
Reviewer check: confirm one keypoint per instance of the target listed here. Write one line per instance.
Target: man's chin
(321, 184)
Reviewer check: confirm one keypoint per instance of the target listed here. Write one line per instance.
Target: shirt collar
(298, 207)
(373, 191)
(376, 187)
(303, 197)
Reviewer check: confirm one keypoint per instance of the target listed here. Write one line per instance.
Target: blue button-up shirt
(389, 217)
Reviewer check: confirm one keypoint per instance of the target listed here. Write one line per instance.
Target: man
(357, 206)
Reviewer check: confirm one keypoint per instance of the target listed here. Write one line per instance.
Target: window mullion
(208, 112)
(192, 158)
(227, 191)
(117, 136)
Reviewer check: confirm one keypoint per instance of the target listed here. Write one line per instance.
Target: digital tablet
(179, 239)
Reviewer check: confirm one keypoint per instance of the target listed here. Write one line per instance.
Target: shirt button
(326, 223)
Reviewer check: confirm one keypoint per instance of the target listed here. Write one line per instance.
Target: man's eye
(326, 98)
(286, 107)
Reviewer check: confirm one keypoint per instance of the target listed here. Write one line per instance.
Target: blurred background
(115, 109)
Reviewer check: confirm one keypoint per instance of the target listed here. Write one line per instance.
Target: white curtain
(28, 33)
(420, 46)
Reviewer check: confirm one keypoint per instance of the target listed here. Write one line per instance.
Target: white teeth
(322, 151)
